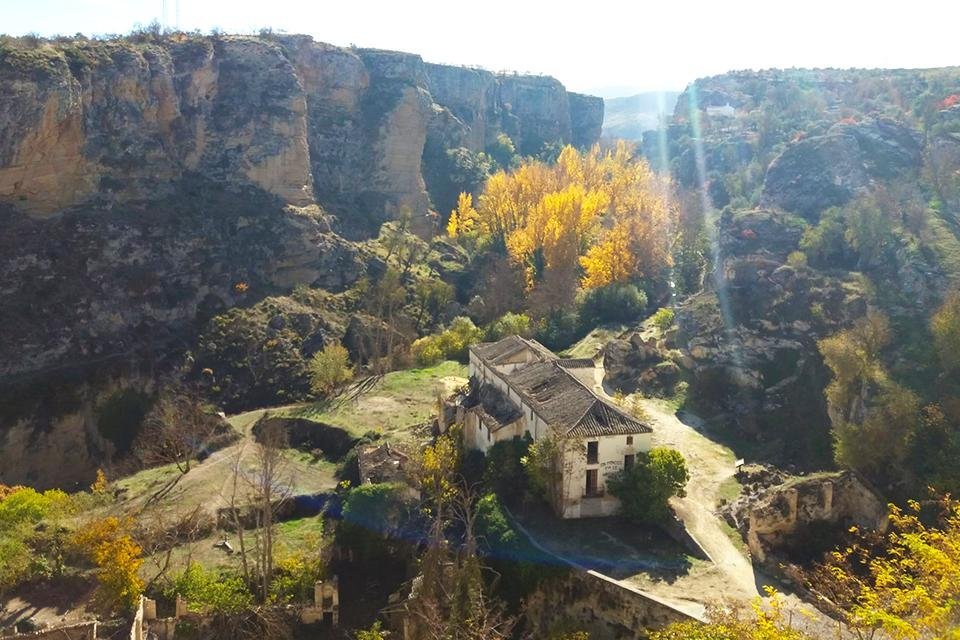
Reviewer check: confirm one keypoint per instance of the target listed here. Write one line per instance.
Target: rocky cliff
(148, 185)
(306, 121)
(819, 193)
(142, 181)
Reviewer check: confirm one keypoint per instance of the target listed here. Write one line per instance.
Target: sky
(592, 46)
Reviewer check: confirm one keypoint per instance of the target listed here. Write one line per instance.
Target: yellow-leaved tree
(906, 583)
(108, 544)
(591, 219)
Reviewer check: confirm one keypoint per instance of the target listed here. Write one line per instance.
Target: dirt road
(710, 465)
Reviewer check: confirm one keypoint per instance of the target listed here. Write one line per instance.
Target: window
(629, 460)
(591, 488)
(593, 452)
(629, 440)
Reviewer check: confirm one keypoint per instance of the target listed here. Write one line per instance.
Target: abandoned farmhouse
(519, 388)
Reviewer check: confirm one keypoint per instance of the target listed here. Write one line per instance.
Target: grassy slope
(588, 346)
(400, 400)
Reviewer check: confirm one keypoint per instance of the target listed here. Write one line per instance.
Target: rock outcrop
(829, 170)
(783, 519)
(749, 340)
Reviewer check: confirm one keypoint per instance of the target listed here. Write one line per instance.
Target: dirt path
(710, 465)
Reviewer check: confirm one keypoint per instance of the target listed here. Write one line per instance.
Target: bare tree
(176, 430)
(163, 532)
(234, 514)
(270, 489)
(449, 601)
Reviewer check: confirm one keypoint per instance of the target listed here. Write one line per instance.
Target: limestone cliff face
(128, 170)
(303, 120)
(114, 122)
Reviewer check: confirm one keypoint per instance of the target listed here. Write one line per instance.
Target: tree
(945, 326)
(904, 583)
(762, 622)
(548, 463)
(269, 486)
(463, 219)
(452, 343)
(107, 542)
(603, 213)
(430, 297)
(645, 488)
(175, 431)
(873, 417)
(510, 324)
(330, 369)
(503, 152)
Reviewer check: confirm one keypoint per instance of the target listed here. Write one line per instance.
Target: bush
(372, 514)
(493, 527)
(509, 324)
(210, 592)
(618, 302)
(296, 574)
(663, 318)
(330, 368)
(645, 488)
(503, 152)
(797, 259)
(450, 344)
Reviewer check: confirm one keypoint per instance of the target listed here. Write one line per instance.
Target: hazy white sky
(611, 48)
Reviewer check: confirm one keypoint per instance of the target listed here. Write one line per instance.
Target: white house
(520, 388)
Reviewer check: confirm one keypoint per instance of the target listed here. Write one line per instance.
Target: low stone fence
(79, 631)
(603, 607)
(325, 609)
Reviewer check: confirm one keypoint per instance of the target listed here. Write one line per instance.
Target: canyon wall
(115, 121)
(147, 186)
(142, 181)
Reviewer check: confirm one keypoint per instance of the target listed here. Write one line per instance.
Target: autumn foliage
(592, 219)
(949, 101)
(905, 583)
(108, 544)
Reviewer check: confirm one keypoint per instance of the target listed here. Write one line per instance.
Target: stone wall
(592, 602)
(80, 631)
(785, 511)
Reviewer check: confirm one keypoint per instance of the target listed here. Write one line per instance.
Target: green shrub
(618, 302)
(450, 344)
(645, 488)
(210, 592)
(509, 324)
(663, 318)
(493, 528)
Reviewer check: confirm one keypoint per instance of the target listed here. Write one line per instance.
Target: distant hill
(630, 116)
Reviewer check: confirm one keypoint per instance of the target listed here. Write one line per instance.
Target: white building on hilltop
(519, 388)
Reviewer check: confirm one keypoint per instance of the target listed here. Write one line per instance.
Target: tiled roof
(494, 408)
(577, 363)
(566, 404)
(496, 352)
